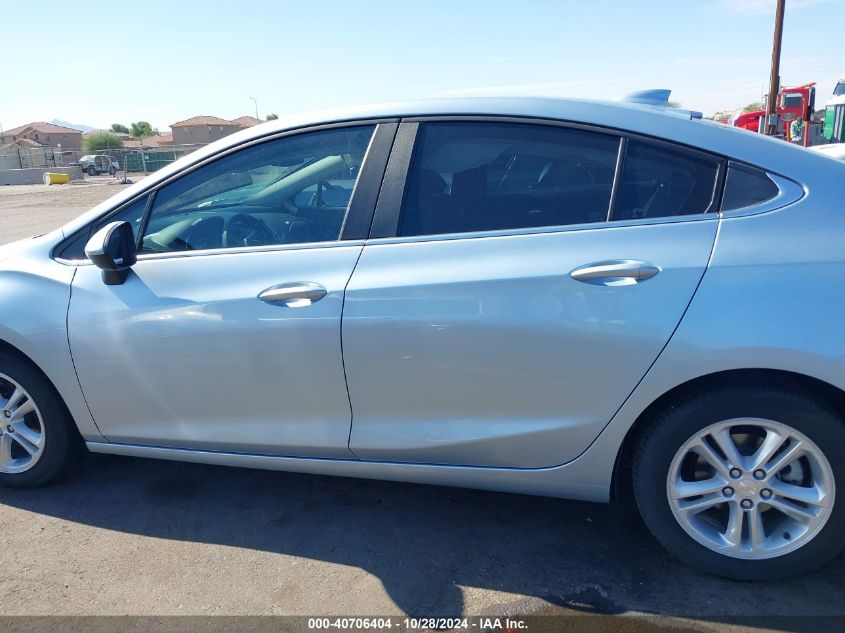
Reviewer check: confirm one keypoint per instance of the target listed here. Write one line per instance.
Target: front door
(534, 275)
(226, 334)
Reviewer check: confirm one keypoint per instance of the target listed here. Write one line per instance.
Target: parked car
(94, 164)
(573, 299)
(833, 150)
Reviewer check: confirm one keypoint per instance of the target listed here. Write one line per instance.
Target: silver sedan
(575, 299)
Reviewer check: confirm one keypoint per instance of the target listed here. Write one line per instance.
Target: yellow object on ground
(55, 179)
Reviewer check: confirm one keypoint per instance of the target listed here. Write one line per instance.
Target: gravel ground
(126, 536)
(27, 210)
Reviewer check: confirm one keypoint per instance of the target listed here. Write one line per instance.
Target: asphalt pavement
(125, 536)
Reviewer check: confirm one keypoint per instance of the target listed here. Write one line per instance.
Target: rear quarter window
(747, 186)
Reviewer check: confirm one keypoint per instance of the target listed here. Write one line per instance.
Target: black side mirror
(113, 250)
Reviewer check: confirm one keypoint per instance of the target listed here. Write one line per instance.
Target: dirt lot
(27, 210)
(127, 536)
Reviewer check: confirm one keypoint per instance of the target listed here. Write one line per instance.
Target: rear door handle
(617, 272)
(297, 294)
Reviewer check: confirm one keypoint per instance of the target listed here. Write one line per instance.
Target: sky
(100, 63)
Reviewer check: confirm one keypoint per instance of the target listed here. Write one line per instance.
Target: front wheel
(743, 483)
(37, 439)
(92, 171)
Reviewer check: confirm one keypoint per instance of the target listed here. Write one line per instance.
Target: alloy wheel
(750, 488)
(21, 428)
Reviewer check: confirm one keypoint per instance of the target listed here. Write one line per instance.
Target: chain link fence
(12, 157)
(149, 159)
(129, 160)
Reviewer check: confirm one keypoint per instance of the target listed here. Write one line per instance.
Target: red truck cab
(792, 103)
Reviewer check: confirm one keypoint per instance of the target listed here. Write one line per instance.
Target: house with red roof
(41, 134)
(205, 129)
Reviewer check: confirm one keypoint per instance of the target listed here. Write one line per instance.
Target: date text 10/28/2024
(506, 625)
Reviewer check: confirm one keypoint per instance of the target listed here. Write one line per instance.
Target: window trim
(391, 200)
(535, 230)
(372, 169)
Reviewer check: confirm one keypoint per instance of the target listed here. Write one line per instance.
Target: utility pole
(256, 107)
(772, 123)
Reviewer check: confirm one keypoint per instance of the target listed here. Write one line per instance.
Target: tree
(119, 128)
(98, 142)
(141, 129)
(674, 104)
(272, 117)
(753, 107)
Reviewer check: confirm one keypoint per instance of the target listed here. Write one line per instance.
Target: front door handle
(297, 294)
(617, 272)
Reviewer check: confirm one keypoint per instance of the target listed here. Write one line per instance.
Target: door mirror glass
(113, 250)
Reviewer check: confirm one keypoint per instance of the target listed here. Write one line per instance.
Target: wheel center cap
(747, 488)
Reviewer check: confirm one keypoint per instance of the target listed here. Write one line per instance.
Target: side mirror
(113, 250)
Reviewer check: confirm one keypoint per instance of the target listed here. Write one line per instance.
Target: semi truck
(792, 103)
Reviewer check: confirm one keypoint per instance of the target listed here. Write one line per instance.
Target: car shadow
(424, 543)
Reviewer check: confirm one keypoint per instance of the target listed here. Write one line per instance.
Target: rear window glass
(747, 186)
(659, 182)
(486, 176)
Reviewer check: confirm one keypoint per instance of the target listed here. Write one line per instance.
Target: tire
(777, 545)
(92, 171)
(60, 443)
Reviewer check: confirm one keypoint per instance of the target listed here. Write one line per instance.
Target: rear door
(516, 290)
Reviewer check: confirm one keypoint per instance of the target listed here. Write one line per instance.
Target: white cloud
(762, 7)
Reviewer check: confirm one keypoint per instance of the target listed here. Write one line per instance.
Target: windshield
(840, 89)
(792, 100)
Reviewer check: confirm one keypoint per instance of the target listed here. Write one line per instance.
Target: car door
(516, 290)
(226, 334)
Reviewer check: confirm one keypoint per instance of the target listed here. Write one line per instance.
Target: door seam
(73, 362)
(343, 355)
(662, 349)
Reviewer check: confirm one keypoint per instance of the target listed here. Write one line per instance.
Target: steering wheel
(245, 230)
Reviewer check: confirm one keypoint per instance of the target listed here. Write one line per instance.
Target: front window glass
(291, 190)
(132, 213)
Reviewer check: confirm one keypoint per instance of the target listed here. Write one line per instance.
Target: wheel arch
(621, 488)
(7, 347)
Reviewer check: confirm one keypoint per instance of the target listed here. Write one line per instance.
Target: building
(157, 140)
(247, 121)
(201, 129)
(41, 134)
(205, 129)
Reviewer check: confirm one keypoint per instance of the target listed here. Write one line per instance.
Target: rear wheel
(743, 483)
(37, 440)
